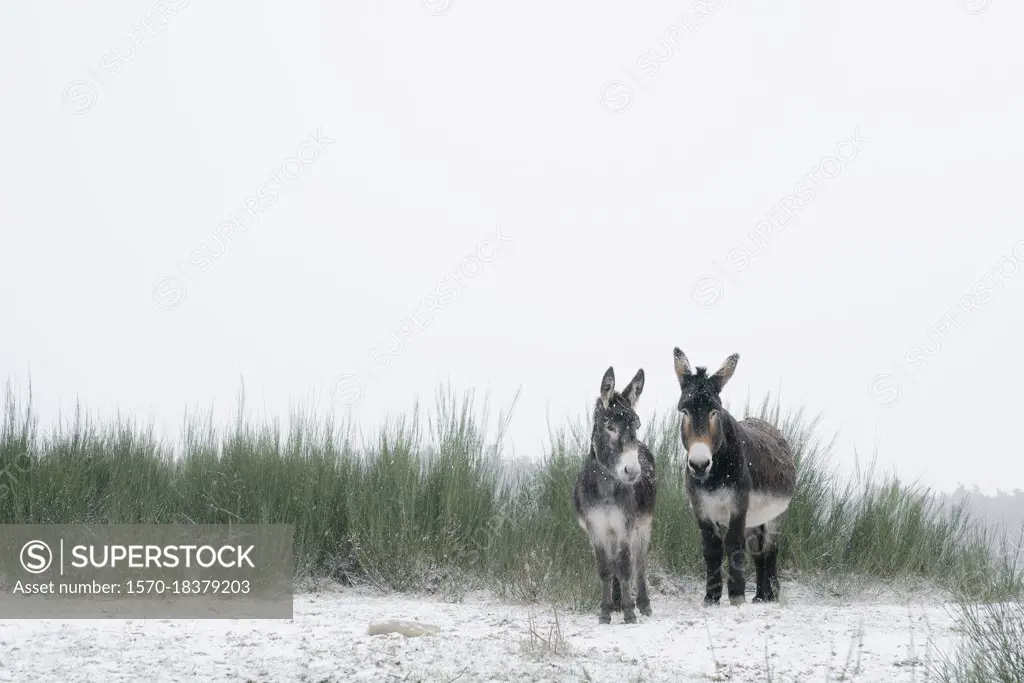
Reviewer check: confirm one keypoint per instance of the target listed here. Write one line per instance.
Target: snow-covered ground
(879, 638)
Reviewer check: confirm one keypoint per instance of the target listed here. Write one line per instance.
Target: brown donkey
(740, 478)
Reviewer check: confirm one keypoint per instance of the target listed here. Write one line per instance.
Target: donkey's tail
(616, 595)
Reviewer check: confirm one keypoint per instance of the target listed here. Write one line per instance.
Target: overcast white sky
(625, 188)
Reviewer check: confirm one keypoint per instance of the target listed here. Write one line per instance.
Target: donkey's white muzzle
(698, 457)
(629, 466)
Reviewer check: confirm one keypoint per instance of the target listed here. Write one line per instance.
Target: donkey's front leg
(713, 559)
(605, 570)
(624, 570)
(735, 551)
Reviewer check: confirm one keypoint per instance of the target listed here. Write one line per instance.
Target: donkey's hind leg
(771, 554)
(756, 547)
(767, 547)
(643, 542)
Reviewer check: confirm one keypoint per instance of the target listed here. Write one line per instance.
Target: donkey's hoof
(629, 616)
(766, 597)
(737, 599)
(645, 608)
(711, 600)
(605, 616)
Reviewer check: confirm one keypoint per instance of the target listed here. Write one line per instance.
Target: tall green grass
(428, 503)
(989, 631)
(989, 649)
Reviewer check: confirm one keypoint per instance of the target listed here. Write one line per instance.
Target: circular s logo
(348, 390)
(975, 7)
(438, 8)
(885, 390)
(36, 557)
(79, 97)
(706, 291)
(616, 97)
(168, 293)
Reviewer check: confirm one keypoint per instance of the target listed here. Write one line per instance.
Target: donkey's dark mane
(700, 386)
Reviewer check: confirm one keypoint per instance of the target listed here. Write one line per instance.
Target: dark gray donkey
(614, 499)
(740, 478)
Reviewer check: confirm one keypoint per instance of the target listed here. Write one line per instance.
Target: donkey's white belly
(719, 507)
(606, 526)
(763, 508)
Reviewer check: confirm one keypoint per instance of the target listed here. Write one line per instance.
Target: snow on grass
(882, 638)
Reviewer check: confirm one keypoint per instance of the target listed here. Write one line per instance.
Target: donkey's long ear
(724, 373)
(607, 387)
(635, 387)
(683, 370)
